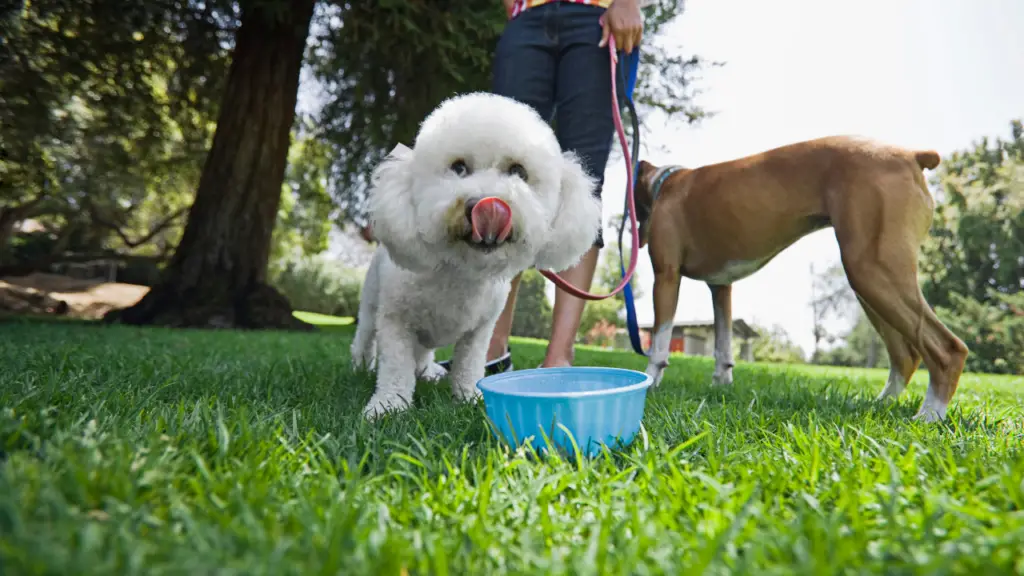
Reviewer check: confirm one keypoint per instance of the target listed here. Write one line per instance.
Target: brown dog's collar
(660, 175)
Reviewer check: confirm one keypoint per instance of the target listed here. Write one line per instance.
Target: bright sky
(935, 74)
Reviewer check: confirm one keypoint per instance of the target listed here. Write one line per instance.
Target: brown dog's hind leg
(879, 249)
(666, 297)
(900, 304)
(903, 358)
(721, 300)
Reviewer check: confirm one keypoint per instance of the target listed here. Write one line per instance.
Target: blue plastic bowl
(598, 406)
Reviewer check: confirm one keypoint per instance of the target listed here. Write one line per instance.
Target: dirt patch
(62, 295)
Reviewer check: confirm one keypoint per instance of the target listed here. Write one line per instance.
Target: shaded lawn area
(153, 451)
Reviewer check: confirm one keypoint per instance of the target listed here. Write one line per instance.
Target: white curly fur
(426, 288)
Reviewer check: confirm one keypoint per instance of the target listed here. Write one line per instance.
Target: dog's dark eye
(460, 168)
(517, 170)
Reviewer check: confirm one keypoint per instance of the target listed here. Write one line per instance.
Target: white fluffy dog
(484, 194)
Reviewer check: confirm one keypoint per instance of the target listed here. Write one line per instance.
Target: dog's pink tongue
(491, 219)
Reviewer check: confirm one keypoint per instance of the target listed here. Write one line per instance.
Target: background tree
(977, 236)
(832, 300)
(774, 345)
(973, 264)
(304, 215)
(123, 80)
(533, 310)
(993, 330)
(217, 276)
(860, 345)
(105, 113)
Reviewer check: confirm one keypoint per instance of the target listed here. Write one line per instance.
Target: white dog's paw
(433, 372)
(894, 386)
(723, 378)
(932, 409)
(656, 371)
(363, 355)
(466, 393)
(930, 413)
(929, 416)
(381, 404)
(359, 362)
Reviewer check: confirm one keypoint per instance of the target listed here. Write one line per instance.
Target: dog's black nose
(469, 207)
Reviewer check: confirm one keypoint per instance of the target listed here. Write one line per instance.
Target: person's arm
(508, 6)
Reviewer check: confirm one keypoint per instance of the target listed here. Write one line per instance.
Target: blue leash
(629, 82)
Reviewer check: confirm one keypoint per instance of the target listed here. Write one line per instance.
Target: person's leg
(524, 69)
(584, 124)
(568, 311)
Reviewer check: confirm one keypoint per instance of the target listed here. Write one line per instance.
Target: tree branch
(11, 215)
(132, 244)
(160, 227)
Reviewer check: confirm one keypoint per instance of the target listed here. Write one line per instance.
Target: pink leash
(635, 250)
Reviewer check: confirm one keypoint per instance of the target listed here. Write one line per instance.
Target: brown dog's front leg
(666, 296)
(721, 300)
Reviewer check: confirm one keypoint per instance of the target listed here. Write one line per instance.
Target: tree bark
(7, 222)
(217, 276)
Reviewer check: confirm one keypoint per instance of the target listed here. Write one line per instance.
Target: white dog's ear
(391, 211)
(577, 222)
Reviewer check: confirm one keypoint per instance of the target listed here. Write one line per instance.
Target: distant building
(696, 338)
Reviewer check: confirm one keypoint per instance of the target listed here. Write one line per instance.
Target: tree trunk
(217, 276)
(12, 215)
(7, 223)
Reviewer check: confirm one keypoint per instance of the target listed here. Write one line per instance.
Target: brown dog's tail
(927, 159)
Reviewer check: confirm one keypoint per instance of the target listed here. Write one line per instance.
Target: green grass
(152, 451)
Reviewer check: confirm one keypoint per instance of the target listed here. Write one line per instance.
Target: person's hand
(624, 21)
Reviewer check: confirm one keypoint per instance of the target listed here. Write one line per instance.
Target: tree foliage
(605, 313)
(976, 245)
(833, 300)
(218, 275)
(860, 346)
(973, 264)
(993, 330)
(774, 345)
(108, 117)
(532, 318)
(304, 216)
(105, 111)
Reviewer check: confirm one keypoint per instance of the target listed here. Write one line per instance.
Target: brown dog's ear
(642, 199)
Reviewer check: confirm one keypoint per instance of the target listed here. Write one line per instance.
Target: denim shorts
(548, 57)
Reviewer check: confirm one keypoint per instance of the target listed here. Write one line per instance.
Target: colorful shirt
(521, 5)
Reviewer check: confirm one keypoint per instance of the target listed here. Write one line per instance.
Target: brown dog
(723, 222)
